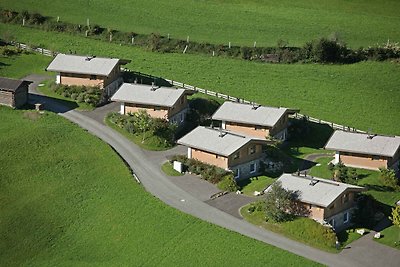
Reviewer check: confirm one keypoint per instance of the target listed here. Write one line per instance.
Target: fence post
(42, 51)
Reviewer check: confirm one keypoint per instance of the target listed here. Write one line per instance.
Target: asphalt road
(160, 186)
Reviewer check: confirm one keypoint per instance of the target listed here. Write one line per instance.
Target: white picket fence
(201, 90)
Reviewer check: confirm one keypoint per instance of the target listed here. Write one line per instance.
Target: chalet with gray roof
(159, 102)
(231, 151)
(13, 93)
(87, 70)
(323, 200)
(258, 121)
(366, 151)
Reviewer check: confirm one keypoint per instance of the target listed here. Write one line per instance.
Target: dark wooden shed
(13, 93)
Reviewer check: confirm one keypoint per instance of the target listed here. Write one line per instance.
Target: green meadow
(358, 22)
(362, 95)
(67, 199)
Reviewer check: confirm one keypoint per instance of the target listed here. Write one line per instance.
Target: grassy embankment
(360, 23)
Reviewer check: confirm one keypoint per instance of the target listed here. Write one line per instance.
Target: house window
(252, 150)
(253, 168)
(236, 155)
(332, 223)
(345, 198)
(236, 173)
(346, 217)
(93, 77)
(182, 117)
(216, 156)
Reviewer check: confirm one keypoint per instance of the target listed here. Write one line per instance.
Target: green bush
(388, 177)
(228, 183)
(90, 95)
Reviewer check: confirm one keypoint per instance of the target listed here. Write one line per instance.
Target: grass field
(67, 199)
(358, 22)
(360, 95)
(19, 66)
(255, 184)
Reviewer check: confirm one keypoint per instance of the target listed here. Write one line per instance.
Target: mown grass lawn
(67, 199)
(21, 65)
(367, 178)
(168, 169)
(391, 237)
(259, 183)
(359, 95)
(304, 230)
(359, 23)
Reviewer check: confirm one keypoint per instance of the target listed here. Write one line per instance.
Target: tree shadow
(380, 188)
(304, 133)
(52, 104)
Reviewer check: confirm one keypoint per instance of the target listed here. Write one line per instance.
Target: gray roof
(216, 141)
(249, 114)
(363, 143)
(83, 65)
(143, 94)
(11, 85)
(322, 193)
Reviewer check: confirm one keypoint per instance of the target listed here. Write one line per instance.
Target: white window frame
(237, 175)
(255, 167)
(332, 222)
(346, 217)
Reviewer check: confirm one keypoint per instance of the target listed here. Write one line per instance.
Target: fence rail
(200, 90)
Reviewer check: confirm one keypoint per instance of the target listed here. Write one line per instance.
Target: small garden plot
(222, 178)
(301, 229)
(145, 131)
(91, 96)
(255, 184)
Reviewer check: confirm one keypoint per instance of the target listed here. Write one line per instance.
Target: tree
(278, 203)
(396, 218)
(388, 178)
(142, 122)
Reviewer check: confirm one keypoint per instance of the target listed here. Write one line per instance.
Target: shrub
(389, 179)
(278, 202)
(228, 183)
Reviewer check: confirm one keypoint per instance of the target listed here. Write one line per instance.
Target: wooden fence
(200, 90)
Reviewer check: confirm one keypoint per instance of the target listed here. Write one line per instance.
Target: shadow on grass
(380, 188)
(142, 78)
(308, 134)
(52, 104)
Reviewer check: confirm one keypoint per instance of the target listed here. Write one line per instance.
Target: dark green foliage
(208, 172)
(141, 123)
(367, 207)
(278, 203)
(388, 178)
(228, 183)
(90, 95)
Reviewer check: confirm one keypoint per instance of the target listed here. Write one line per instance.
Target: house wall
(6, 98)
(281, 124)
(340, 204)
(340, 224)
(317, 213)
(363, 161)
(21, 96)
(81, 79)
(179, 106)
(262, 132)
(210, 158)
(245, 170)
(244, 155)
(392, 161)
(153, 111)
(15, 99)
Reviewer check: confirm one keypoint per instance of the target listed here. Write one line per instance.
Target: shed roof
(217, 141)
(317, 191)
(364, 143)
(83, 64)
(249, 114)
(147, 95)
(11, 85)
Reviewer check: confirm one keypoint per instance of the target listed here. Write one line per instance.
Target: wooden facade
(15, 97)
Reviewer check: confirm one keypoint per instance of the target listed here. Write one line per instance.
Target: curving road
(160, 186)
